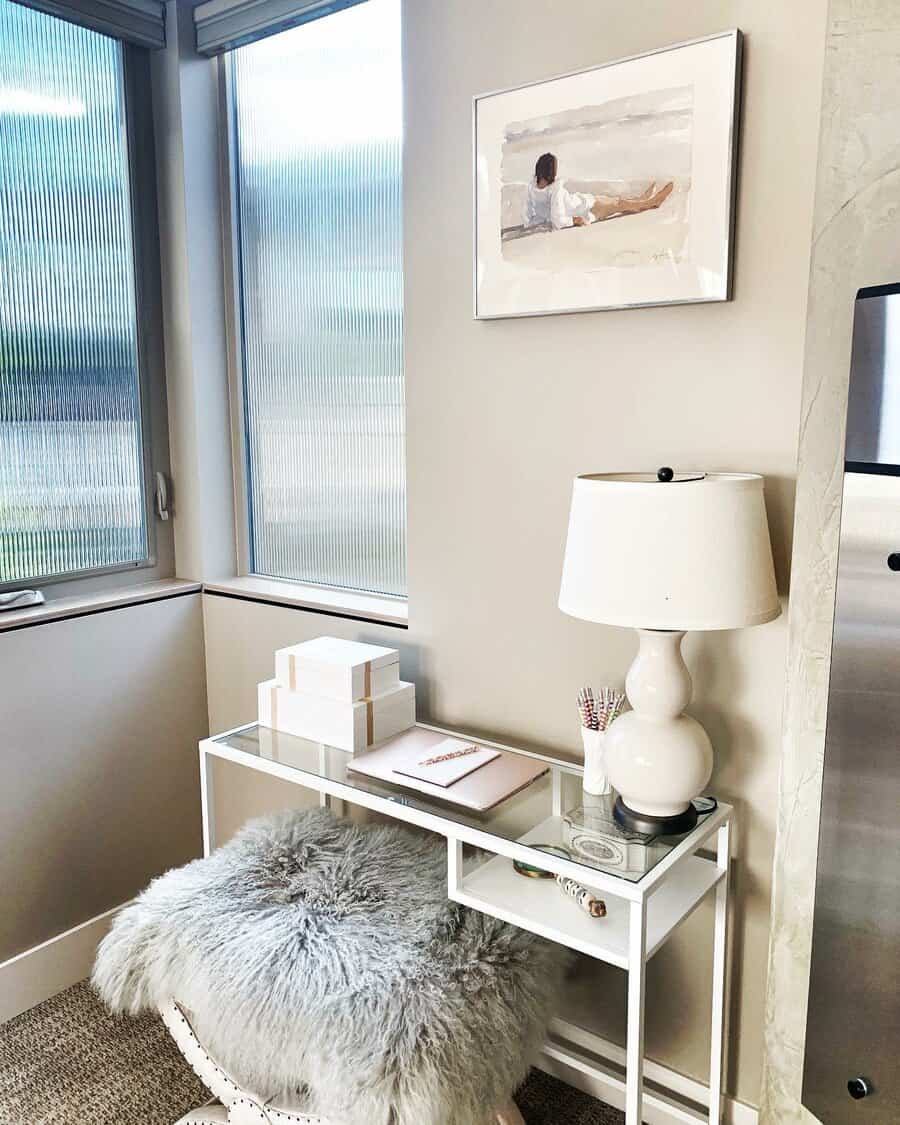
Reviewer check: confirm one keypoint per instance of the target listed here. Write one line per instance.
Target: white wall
(99, 782)
(502, 415)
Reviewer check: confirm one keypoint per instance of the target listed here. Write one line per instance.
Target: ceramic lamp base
(654, 825)
(656, 757)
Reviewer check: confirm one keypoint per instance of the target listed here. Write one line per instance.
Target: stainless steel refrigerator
(852, 1062)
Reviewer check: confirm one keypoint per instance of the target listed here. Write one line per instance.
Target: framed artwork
(609, 188)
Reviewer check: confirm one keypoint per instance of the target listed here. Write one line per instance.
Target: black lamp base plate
(654, 825)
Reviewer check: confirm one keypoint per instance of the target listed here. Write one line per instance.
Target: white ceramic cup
(595, 780)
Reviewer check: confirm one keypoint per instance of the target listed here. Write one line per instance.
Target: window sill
(59, 609)
(318, 599)
(296, 595)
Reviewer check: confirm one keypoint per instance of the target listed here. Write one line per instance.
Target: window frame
(234, 337)
(146, 269)
(327, 598)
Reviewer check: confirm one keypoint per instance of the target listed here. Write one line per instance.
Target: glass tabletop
(577, 825)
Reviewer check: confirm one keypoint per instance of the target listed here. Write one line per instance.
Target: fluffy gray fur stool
(322, 965)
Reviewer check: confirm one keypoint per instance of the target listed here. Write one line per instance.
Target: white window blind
(317, 176)
(71, 448)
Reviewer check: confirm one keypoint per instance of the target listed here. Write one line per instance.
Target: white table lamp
(664, 553)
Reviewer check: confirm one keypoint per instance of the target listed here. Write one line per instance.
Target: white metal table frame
(638, 894)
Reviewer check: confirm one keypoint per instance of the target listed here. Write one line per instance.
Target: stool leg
(510, 1115)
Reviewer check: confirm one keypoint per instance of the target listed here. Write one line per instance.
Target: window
(72, 495)
(316, 168)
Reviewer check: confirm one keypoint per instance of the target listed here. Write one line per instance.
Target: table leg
(637, 966)
(324, 798)
(556, 780)
(454, 864)
(207, 801)
(720, 951)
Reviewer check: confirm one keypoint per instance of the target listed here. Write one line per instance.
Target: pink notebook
(480, 789)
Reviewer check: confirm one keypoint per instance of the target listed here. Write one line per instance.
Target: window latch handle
(162, 496)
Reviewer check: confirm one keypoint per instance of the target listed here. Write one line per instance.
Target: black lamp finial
(664, 474)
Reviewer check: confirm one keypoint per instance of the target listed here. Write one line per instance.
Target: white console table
(643, 907)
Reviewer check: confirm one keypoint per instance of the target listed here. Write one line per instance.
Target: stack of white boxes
(342, 693)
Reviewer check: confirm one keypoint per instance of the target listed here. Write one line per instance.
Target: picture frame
(610, 187)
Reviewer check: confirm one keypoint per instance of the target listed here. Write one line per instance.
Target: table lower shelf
(539, 905)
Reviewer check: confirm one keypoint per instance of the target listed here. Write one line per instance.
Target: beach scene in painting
(596, 186)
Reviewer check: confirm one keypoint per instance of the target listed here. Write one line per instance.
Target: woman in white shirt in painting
(550, 202)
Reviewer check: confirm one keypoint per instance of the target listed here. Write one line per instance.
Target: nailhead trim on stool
(240, 1107)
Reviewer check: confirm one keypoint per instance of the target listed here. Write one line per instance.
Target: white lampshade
(690, 553)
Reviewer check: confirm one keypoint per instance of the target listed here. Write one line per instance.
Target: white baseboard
(48, 968)
(596, 1066)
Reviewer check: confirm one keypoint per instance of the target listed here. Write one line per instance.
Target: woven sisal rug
(68, 1062)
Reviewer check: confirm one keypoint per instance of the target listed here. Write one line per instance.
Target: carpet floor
(69, 1062)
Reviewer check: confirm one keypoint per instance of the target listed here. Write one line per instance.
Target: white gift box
(336, 722)
(345, 670)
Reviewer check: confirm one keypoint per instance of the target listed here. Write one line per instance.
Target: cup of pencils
(596, 712)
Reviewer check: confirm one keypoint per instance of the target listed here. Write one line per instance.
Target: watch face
(704, 804)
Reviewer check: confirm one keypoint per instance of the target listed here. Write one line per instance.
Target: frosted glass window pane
(318, 189)
(71, 488)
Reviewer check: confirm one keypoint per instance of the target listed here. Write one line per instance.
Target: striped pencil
(598, 711)
(609, 707)
(587, 708)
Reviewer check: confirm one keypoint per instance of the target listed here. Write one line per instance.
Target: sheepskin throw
(324, 965)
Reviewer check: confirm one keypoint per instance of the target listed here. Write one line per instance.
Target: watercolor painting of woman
(549, 201)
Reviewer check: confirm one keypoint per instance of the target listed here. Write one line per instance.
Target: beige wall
(502, 415)
(99, 785)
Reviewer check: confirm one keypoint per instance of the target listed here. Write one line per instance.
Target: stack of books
(341, 693)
